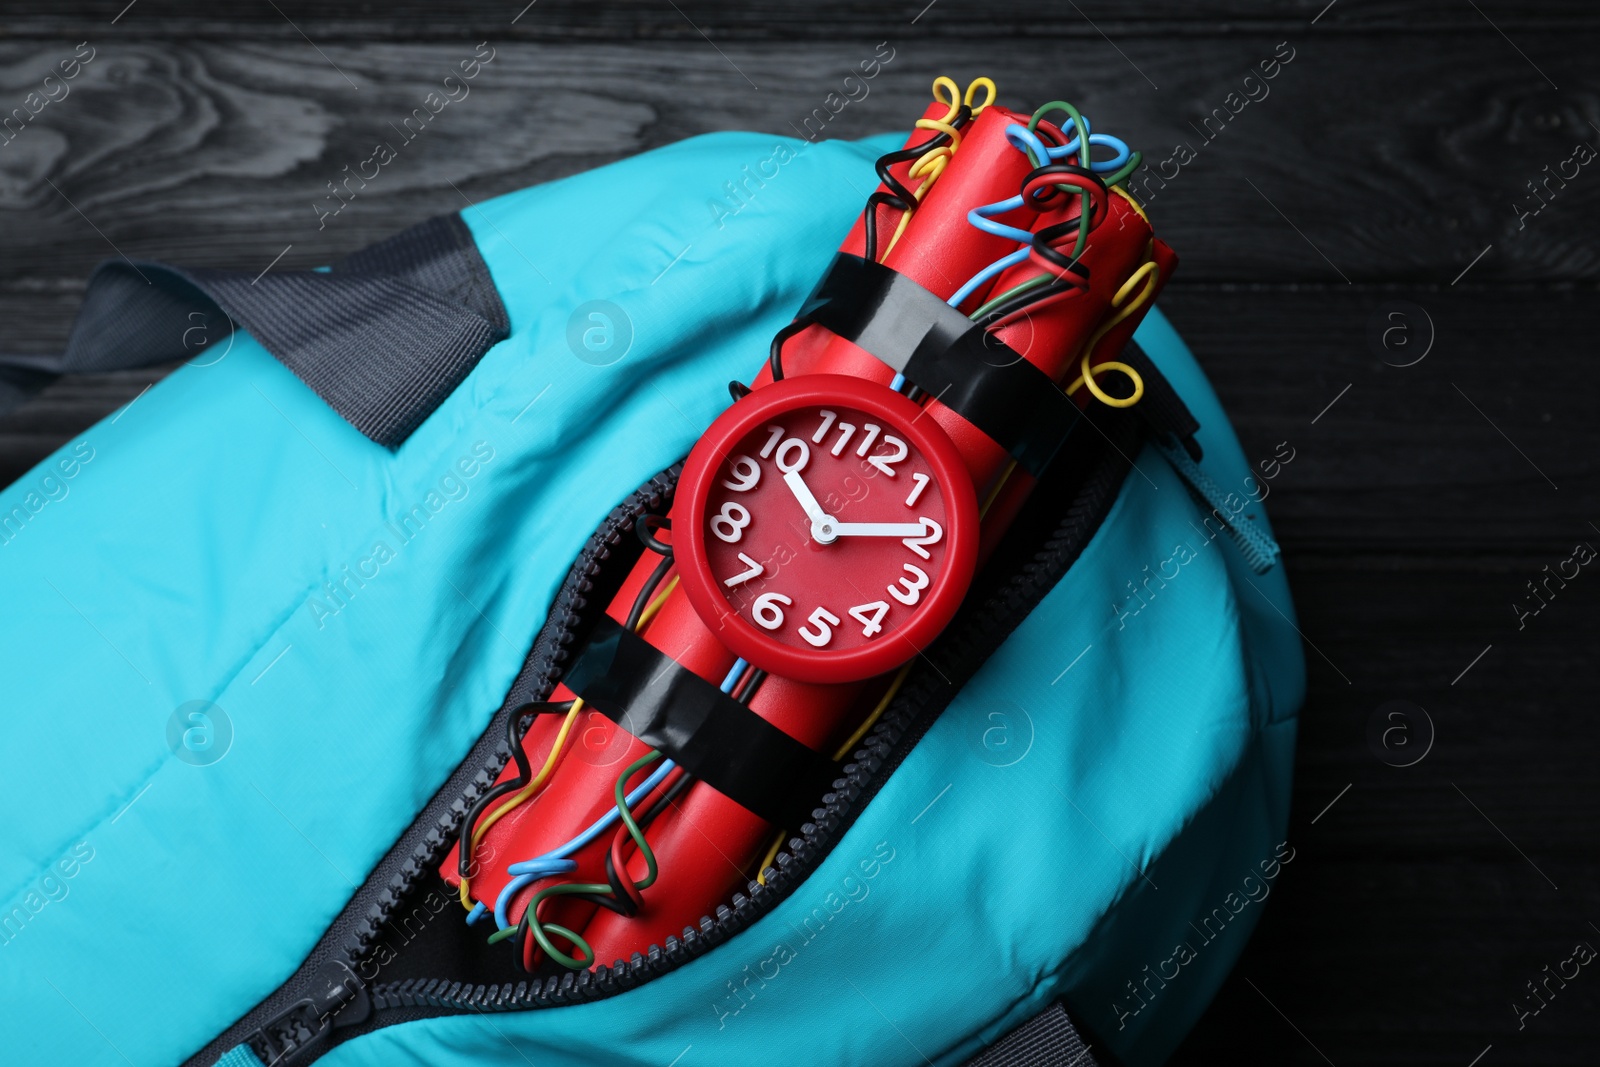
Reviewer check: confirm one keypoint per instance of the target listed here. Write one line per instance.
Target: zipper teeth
(886, 745)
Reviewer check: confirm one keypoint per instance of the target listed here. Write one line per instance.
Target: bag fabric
(345, 618)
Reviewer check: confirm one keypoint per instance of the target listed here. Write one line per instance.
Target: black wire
(738, 390)
(1062, 168)
(748, 685)
(643, 598)
(622, 901)
(642, 527)
(898, 196)
(775, 357)
(524, 776)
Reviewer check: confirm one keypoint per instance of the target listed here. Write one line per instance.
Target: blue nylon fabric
(1181, 717)
(186, 560)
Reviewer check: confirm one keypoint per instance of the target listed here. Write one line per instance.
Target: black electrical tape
(698, 726)
(943, 353)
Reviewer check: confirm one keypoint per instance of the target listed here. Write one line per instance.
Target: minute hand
(879, 529)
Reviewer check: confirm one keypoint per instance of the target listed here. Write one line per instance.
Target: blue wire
(555, 861)
(1024, 139)
(1010, 259)
(982, 216)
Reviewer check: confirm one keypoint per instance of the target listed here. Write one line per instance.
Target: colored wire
(626, 895)
(843, 751)
(775, 355)
(522, 795)
(931, 164)
(772, 854)
(635, 617)
(465, 845)
(646, 525)
(1150, 275)
(556, 861)
(655, 605)
(877, 713)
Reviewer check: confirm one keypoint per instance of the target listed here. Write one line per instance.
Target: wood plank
(218, 153)
(1421, 902)
(766, 20)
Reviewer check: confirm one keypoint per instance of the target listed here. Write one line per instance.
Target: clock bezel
(741, 636)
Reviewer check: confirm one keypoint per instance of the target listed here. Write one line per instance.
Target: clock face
(829, 532)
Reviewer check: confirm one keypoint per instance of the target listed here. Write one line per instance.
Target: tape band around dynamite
(946, 355)
(704, 730)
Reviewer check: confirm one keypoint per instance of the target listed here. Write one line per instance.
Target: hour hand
(802, 493)
(878, 529)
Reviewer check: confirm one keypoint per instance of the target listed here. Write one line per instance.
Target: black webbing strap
(1161, 406)
(383, 336)
(946, 355)
(716, 738)
(1047, 1040)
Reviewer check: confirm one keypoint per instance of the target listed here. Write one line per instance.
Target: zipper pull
(336, 997)
(1259, 549)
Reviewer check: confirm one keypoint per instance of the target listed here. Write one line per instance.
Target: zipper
(326, 1000)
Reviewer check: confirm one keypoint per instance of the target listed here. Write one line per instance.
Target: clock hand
(878, 529)
(802, 493)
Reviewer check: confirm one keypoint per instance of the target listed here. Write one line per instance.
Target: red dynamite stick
(1014, 492)
(939, 250)
(598, 741)
(712, 840)
(706, 842)
(1049, 336)
(984, 169)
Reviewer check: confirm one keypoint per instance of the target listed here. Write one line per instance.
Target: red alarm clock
(829, 531)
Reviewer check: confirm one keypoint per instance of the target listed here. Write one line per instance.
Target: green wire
(538, 929)
(633, 827)
(542, 930)
(1135, 161)
(1121, 174)
(1016, 290)
(1084, 204)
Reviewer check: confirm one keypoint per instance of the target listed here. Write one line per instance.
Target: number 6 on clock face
(798, 563)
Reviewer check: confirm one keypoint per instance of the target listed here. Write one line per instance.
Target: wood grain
(1421, 902)
(1422, 499)
(1372, 159)
(569, 20)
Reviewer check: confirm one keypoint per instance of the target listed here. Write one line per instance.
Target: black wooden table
(1368, 274)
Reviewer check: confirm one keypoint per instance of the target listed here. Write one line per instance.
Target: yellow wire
(555, 750)
(655, 605)
(999, 484)
(761, 871)
(524, 793)
(932, 163)
(1149, 274)
(877, 712)
(973, 87)
(1120, 191)
(844, 750)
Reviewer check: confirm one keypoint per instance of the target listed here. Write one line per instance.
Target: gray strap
(1047, 1040)
(384, 336)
